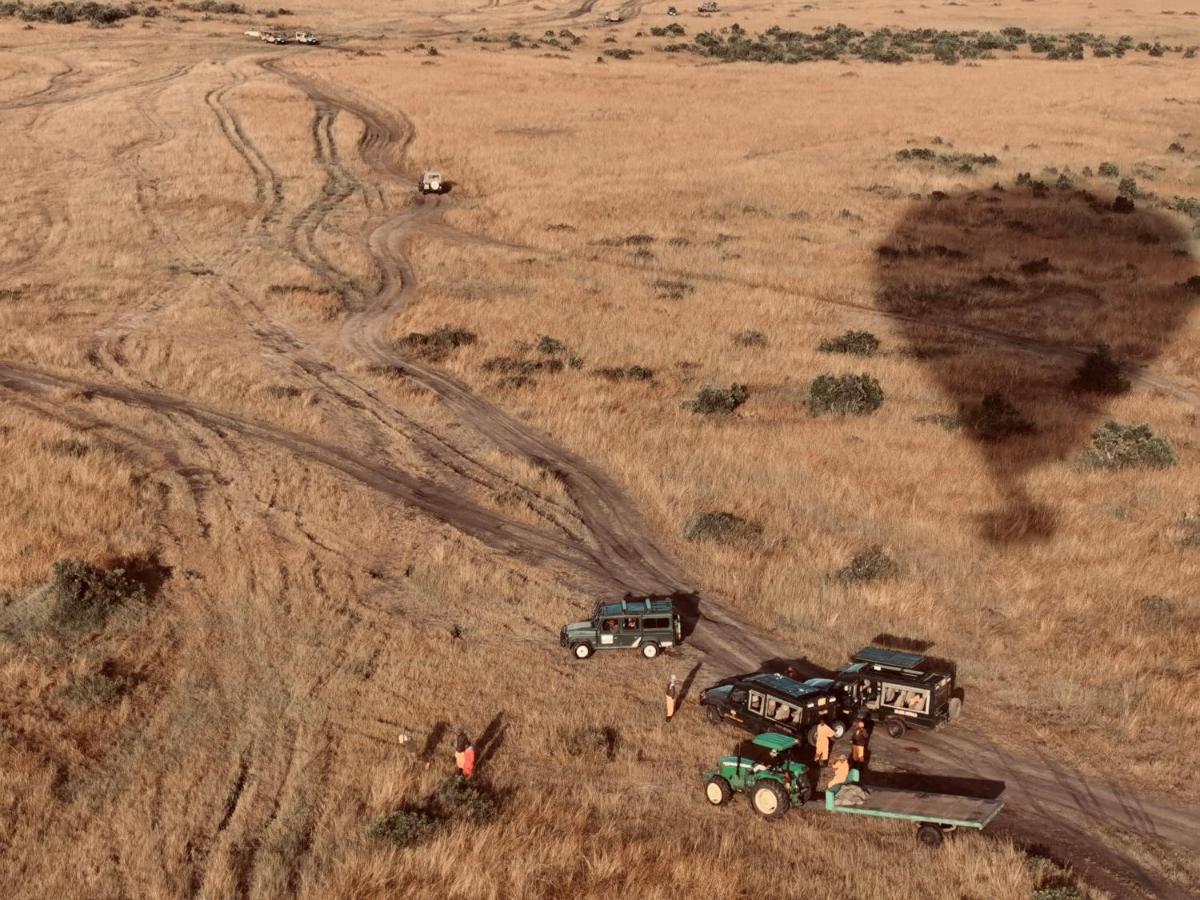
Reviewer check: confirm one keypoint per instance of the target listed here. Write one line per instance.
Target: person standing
(825, 737)
(859, 738)
(839, 772)
(464, 755)
(672, 697)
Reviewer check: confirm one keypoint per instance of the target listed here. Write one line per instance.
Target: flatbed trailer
(934, 814)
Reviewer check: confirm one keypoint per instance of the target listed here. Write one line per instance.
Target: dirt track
(603, 539)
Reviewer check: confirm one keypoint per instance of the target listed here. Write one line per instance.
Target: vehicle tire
(930, 835)
(714, 714)
(896, 727)
(811, 737)
(717, 791)
(769, 799)
(582, 651)
(650, 650)
(839, 728)
(954, 708)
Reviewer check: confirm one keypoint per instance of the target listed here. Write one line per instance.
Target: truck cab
(648, 625)
(776, 702)
(900, 689)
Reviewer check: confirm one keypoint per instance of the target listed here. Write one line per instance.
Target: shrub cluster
(750, 339)
(855, 343)
(899, 45)
(1116, 446)
(858, 395)
(456, 799)
(867, 565)
(960, 162)
(721, 528)
(1100, 373)
(86, 595)
(437, 344)
(628, 373)
(67, 13)
(994, 419)
(710, 401)
(595, 740)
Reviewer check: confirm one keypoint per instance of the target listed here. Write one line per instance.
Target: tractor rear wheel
(650, 650)
(930, 835)
(582, 651)
(769, 799)
(718, 791)
(896, 726)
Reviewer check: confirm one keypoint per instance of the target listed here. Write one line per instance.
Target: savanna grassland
(361, 453)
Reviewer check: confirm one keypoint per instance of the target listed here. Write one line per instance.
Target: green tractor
(768, 769)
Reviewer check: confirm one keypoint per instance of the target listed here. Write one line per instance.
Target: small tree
(1116, 446)
(87, 595)
(1100, 373)
(718, 401)
(855, 343)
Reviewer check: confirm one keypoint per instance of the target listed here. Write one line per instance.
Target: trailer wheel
(718, 791)
(896, 726)
(582, 651)
(930, 835)
(769, 799)
(954, 707)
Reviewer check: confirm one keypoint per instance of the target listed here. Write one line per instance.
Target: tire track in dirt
(627, 553)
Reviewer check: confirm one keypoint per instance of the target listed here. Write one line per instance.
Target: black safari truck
(649, 625)
(772, 702)
(899, 689)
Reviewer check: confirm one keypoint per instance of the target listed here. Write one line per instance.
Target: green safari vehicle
(768, 770)
(647, 624)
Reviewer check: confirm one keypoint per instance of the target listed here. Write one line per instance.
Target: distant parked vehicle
(672, 11)
(307, 37)
(612, 17)
(648, 625)
(432, 183)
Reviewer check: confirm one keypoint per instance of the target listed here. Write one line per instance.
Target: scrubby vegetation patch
(722, 528)
(858, 395)
(1116, 446)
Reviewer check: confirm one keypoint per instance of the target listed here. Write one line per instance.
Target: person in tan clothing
(839, 772)
(825, 736)
(672, 697)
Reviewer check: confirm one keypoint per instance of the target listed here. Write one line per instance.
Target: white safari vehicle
(431, 183)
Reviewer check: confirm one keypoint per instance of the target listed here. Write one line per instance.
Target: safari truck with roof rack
(900, 689)
(771, 701)
(648, 625)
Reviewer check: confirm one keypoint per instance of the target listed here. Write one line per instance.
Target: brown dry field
(209, 251)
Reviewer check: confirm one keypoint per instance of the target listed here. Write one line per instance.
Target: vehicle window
(783, 713)
(892, 695)
(756, 702)
(657, 623)
(631, 624)
(610, 624)
(917, 701)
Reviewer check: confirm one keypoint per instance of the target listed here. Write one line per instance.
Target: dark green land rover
(648, 624)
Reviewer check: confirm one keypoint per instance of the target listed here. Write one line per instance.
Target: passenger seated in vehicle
(781, 714)
(771, 705)
(610, 624)
(631, 624)
(891, 696)
(797, 715)
(916, 701)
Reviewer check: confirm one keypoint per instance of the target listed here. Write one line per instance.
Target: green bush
(86, 595)
(867, 565)
(1116, 446)
(404, 827)
(721, 528)
(713, 401)
(855, 343)
(1109, 170)
(995, 419)
(630, 373)
(460, 799)
(858, 395)
(1100, 373)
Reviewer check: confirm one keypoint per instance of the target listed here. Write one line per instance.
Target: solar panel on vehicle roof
(889, 657)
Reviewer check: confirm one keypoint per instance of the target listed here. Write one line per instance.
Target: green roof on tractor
(775, 742)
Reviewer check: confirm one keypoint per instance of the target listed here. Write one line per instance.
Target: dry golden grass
(177, 221)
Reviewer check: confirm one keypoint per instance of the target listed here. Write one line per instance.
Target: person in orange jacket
(825, 737)
(464, 755)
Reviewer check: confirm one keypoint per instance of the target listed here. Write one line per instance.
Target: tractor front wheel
(582, 651)
(718, 791)
(896, 726)
(769, 799)
(930, 836)
(650, 650)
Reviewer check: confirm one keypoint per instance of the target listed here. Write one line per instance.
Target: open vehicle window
(631, 624)
(756, 702)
